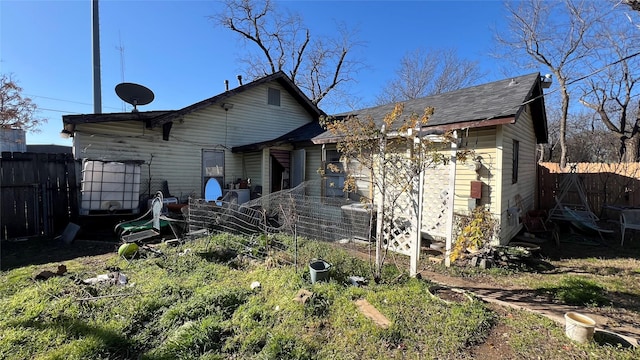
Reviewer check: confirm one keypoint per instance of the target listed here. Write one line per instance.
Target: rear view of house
(254, 139)
(501, 123)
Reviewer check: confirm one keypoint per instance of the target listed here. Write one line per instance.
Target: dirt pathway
(527, 299)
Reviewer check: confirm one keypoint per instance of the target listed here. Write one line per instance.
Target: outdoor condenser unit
(358, 218)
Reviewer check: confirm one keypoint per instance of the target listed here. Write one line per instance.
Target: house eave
(473, 124)
(437, 128)
(112, 117)
(69, 122)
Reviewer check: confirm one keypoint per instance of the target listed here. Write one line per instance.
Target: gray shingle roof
(303, 134)
(493, 100)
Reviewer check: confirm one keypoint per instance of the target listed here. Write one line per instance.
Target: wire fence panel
(293, 213)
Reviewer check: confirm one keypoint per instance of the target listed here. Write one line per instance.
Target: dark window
(212, 167)
(334, 174)
(516, 155)
(274, 97)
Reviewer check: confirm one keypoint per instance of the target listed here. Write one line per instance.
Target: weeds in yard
(197, 304)
(575, 290)
(529, 331)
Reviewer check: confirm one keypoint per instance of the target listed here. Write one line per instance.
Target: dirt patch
(496, 345)
(44, 251)
(449, 295)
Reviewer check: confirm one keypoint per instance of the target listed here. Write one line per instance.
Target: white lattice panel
(399, 235)
(402, 234)
(435, 196)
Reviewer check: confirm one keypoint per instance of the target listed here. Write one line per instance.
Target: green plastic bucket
(319, 270)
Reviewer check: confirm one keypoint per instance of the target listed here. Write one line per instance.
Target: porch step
(140, 235)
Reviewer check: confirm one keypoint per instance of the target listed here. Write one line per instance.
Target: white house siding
(179, 160)
(522, 131)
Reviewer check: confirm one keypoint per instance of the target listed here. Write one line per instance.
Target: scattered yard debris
(107, 296)
(46, 274)
(173, 242)
(504, 256)
(532, 247)
(128, 250)
(357, 280)
(69, 233)
(302, 296)
(116, 278)
(372, 313)
(605, 337)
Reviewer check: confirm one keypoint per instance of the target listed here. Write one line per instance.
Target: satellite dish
(134, 94)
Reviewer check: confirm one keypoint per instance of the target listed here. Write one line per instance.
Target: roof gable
(157, 118)
(279, 77)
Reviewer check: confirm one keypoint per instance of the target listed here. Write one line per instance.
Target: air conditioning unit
(241, 196)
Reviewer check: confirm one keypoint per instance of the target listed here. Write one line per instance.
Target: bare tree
(392, 153)
(16, 111)
(635, 4)
(283, 43)
(428, 72)
(547, 152)
(556, 34)
(588, 140)
(609, 92)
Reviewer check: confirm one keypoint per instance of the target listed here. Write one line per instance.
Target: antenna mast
(121, 50)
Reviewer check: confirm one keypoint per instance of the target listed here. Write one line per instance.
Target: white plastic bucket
(579, 327)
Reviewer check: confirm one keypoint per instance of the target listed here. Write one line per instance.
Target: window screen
(212, 166)
(274, 97)
(334, 174)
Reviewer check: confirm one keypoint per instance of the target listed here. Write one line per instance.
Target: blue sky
(173, 48)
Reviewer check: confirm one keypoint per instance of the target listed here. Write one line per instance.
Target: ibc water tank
(109, 186)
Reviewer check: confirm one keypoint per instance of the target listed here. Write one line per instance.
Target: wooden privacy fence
(605, 185)
(38, 194)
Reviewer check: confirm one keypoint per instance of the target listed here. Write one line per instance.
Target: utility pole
(97, 85)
